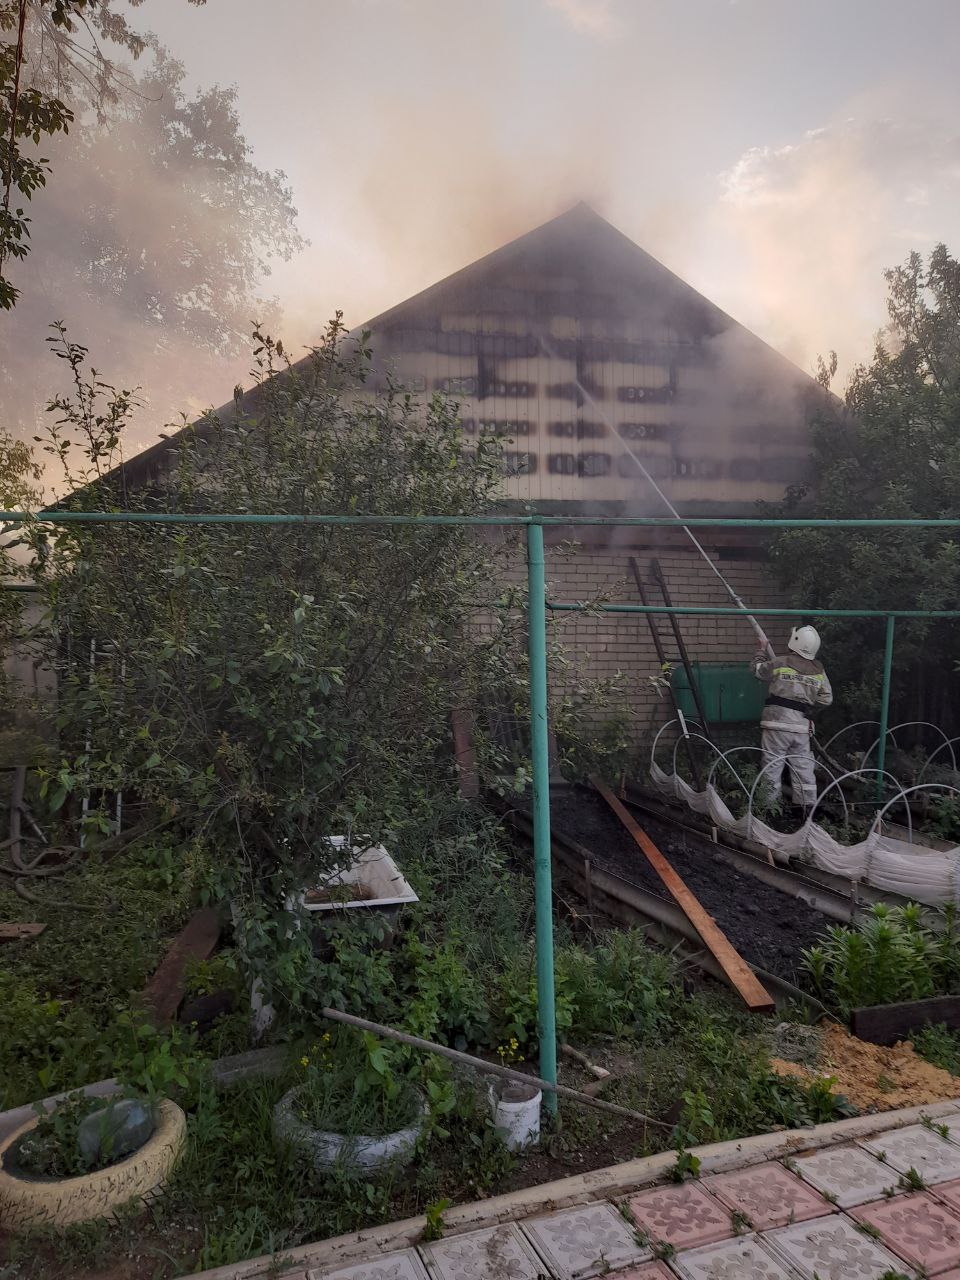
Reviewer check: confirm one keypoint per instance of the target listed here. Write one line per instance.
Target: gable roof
(576, 264)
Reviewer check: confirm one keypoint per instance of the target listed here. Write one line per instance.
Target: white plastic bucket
(516, 1113)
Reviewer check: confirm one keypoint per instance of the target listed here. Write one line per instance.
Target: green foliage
(891, 449)
(268, 709)
(912, 1180)
(592, 729)
(823, 1105)
(943, 816)
(51, 1149)
(62, 68)
(938, 1045)
(618, 986)
(356, 1084)
(434, 1215)
(447, 1000)
(38, 115)
(65, 996)
(891, 955)
(686, 1166)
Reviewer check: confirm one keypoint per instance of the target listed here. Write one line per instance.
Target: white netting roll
(911, 871)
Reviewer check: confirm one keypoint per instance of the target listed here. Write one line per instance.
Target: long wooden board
(753, 993)
(196, 941)
(17, 932)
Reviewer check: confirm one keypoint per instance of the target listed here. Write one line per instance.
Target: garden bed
(768, 927)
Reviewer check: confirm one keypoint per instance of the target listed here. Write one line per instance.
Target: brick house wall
(605, 645)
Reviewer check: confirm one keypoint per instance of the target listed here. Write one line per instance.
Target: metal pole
(718, 610)
(54, 516)
(539, 753)
(885, 702)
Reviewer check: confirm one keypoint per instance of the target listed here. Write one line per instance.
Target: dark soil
(768, 927)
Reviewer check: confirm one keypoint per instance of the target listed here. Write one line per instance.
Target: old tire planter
(357, 1153)
(59, 1202)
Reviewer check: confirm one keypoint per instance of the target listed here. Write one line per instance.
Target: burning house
(590, 358)
(595, 363)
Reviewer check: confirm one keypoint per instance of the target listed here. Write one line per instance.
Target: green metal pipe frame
(576, 606)
(657, 522)
(537, 605)
(885, 702)
(540, 763)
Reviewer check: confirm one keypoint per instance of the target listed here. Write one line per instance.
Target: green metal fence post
(539, 752)
(885, 703)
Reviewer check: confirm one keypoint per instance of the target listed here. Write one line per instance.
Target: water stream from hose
(760, 633)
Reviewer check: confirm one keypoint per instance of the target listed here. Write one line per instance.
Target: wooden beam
(196, 941)
(888, 1023)
(755, 996)
(12, 932)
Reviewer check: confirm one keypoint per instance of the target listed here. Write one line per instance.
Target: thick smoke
(149, 244)
(815, 222)
(419, 136)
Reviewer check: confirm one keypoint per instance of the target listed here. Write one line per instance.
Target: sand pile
(871, 1077)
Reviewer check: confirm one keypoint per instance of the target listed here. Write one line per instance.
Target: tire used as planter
(356, 1152)
(58, 1202)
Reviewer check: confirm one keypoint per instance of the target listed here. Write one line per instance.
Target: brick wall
(600, 646)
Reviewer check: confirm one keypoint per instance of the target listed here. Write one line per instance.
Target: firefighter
(797, 687)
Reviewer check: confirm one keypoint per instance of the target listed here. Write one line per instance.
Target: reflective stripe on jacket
(796, 679)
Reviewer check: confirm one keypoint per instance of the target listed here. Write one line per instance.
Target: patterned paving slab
(744, 1258)
(917, 1228)
(389, 1266)
(767, 1196)
(917, 1147)
(952, 1124)
(585, 1242)
(684, 1216)
(831, 1249)
(849, 1174)
(948, 1193)
(497, 1253)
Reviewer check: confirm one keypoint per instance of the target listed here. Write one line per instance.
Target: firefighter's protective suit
(796, 687)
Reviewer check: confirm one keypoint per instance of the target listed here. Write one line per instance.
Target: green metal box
(730, 694)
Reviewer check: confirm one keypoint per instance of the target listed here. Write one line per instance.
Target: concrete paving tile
(684, 1216)
(744, 1258)
(952, 1274)
(850, 1174)
(947, 1193)
(916, 1147)
(767, 1195)
(917, 1229)
(953, 1126)
(496, 1253)
(831, 1249)
(405, 1265)
(585, 1242)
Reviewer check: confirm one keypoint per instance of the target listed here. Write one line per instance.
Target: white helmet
(805, 641)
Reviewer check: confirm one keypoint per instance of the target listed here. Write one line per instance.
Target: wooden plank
(754, 995)
(196, 941)
(12, 932)
(888, 1023)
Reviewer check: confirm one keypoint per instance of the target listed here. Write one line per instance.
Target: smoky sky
(777, 156)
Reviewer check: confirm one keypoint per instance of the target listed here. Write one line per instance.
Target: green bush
(939, 1045)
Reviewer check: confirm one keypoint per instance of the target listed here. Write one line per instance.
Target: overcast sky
(776, 153)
